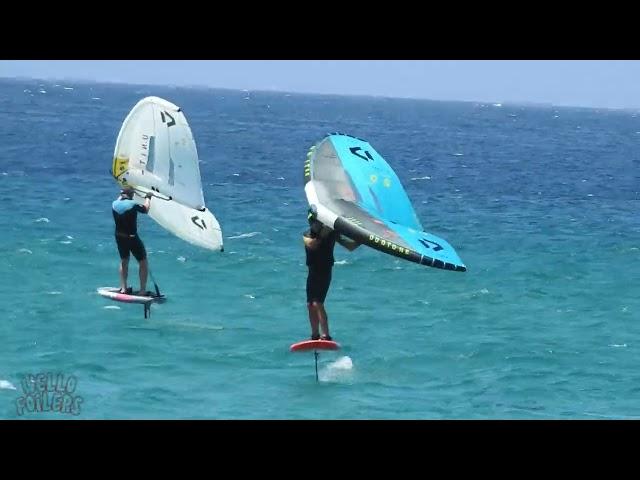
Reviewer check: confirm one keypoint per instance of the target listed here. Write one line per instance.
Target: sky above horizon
(583, 83)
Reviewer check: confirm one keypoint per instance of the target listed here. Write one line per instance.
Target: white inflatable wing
(155, 152)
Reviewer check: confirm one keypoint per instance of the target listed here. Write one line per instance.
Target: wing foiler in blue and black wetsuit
(125, 215)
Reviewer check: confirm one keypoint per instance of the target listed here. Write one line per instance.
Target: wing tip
(441, 264)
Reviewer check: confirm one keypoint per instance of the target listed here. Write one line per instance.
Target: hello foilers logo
(49, 392)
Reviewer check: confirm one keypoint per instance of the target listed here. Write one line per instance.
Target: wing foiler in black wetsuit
(125, 215)
(320, 262)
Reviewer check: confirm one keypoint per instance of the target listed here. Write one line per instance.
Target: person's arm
(347, 243)
(147, 203)
(313, 236)
(310, 240)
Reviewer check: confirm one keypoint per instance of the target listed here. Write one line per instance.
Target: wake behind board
(314, 345)
(114, 294)
(308, 345)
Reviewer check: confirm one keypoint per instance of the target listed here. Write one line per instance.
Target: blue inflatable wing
(359, 195)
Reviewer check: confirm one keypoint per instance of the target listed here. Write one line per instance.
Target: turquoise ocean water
(541, 203)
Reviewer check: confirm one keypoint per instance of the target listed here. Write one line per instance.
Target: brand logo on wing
(201, 225)
(389, 245)
(356, 151)
(164, 115)
(144, 149)
(429, 244)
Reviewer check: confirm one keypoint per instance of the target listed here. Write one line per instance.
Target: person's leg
(314, 320)
(311, 306)
(140, 253)
(144, 271)
(322, 313)
(124, 272)
(323, 320)
(123, 251)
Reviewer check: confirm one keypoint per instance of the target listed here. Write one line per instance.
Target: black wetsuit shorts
(318, 282)
(131, 244)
